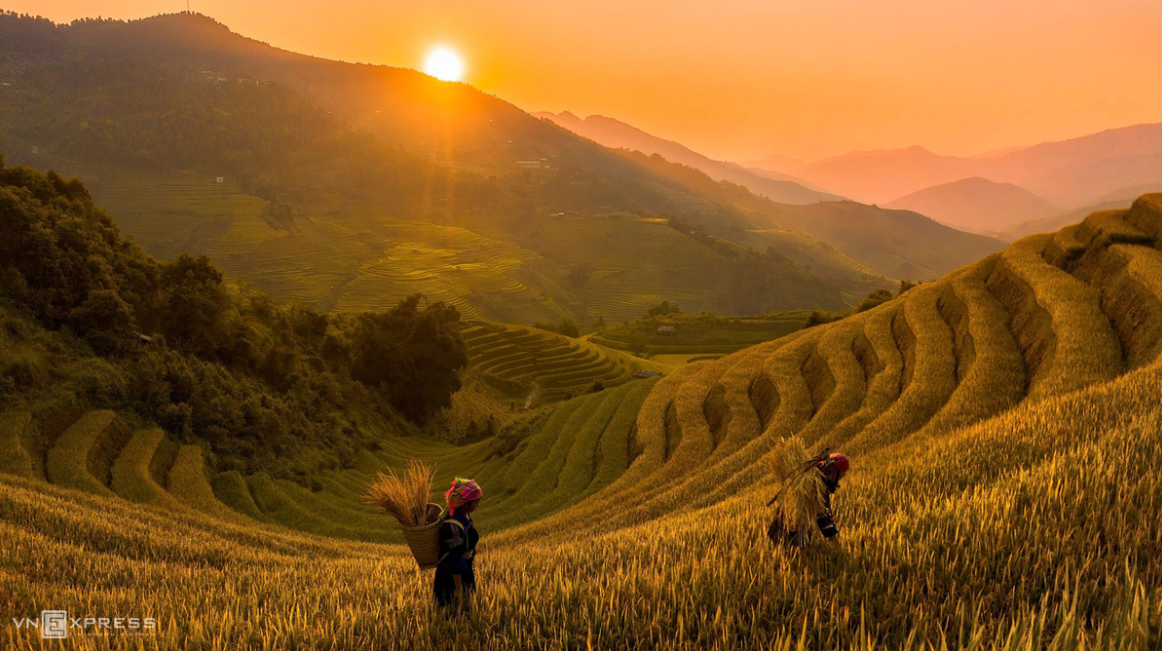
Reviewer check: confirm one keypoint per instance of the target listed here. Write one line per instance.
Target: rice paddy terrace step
(68, 459)
(560, 367)
(131, 477)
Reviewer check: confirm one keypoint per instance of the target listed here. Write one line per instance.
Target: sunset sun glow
(442, 63)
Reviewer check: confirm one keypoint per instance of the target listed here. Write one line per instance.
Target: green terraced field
(172, 214)
(699, 334)
(553, 366)
(339, 254)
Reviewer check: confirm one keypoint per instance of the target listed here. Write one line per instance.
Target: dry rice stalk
(801, 494)
(403, 495)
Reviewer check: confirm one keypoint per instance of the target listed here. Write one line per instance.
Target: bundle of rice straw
(404, 495)
(801, 493)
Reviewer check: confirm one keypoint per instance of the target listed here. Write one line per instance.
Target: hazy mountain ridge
(894, 243)
(891, 243)
(619, 135)
(978, 205)
(1070, 173)
(871, 235)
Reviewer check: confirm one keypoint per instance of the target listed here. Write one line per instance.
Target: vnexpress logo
(54, 624)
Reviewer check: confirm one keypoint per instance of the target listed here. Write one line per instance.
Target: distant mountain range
(1068, 173)
(1073, 174)
(951, 190)
(1112, 201)
(619, 135)
(978, 205)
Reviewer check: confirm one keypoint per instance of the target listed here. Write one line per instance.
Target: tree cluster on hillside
(880, 296)
(665, 308)
(565, 327)
(258, 381)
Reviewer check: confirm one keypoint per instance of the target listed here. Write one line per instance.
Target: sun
(442, 63)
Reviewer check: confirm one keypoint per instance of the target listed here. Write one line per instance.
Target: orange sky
(739, 79)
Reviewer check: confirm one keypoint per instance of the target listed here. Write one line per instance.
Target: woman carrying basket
(458, 537)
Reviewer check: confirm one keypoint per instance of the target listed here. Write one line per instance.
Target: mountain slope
(977, 205)
(776, 164)
(619, 135)
(894, 243)
(875, 236)
(882, 175)
(1112, 201)
(1082, 171)
(348, 187)
(1022, 385)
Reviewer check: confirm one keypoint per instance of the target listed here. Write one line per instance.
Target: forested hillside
(91, 322)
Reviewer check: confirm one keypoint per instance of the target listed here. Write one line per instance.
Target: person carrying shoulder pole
(832, 468)
(805, 496)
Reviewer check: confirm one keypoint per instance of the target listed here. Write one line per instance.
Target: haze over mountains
(870, 235)
(1071, 174)
(987, 194)
(619, 135)
(349, 186)
(978, 205)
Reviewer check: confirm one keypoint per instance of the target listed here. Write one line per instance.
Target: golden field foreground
(1004, 425)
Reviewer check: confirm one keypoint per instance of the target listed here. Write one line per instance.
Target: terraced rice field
(700, 335)
(554, 366)
(1004, 428)
(476, 274)
(172, 214)
(631, 264)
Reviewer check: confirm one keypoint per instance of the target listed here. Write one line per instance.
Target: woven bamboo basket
(424, 541)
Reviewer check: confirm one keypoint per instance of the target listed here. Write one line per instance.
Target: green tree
(105, 321)
(874, 299)
(194, 306)
(569, 329)
(413, 356)
(665, 308)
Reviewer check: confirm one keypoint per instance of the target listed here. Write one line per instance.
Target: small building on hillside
(643, 374)
(530, 164)
(668, 331)
(219, 179)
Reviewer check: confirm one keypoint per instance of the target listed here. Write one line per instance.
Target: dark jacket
(458, 538)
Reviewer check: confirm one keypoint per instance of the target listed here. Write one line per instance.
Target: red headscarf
(834, 466)
(463, 490)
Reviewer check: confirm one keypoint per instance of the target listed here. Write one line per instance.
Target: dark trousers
(444, 586)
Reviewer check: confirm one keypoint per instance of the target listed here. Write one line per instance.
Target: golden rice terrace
(1004, 425)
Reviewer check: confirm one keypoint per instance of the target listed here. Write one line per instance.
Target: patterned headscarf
(463, 490)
